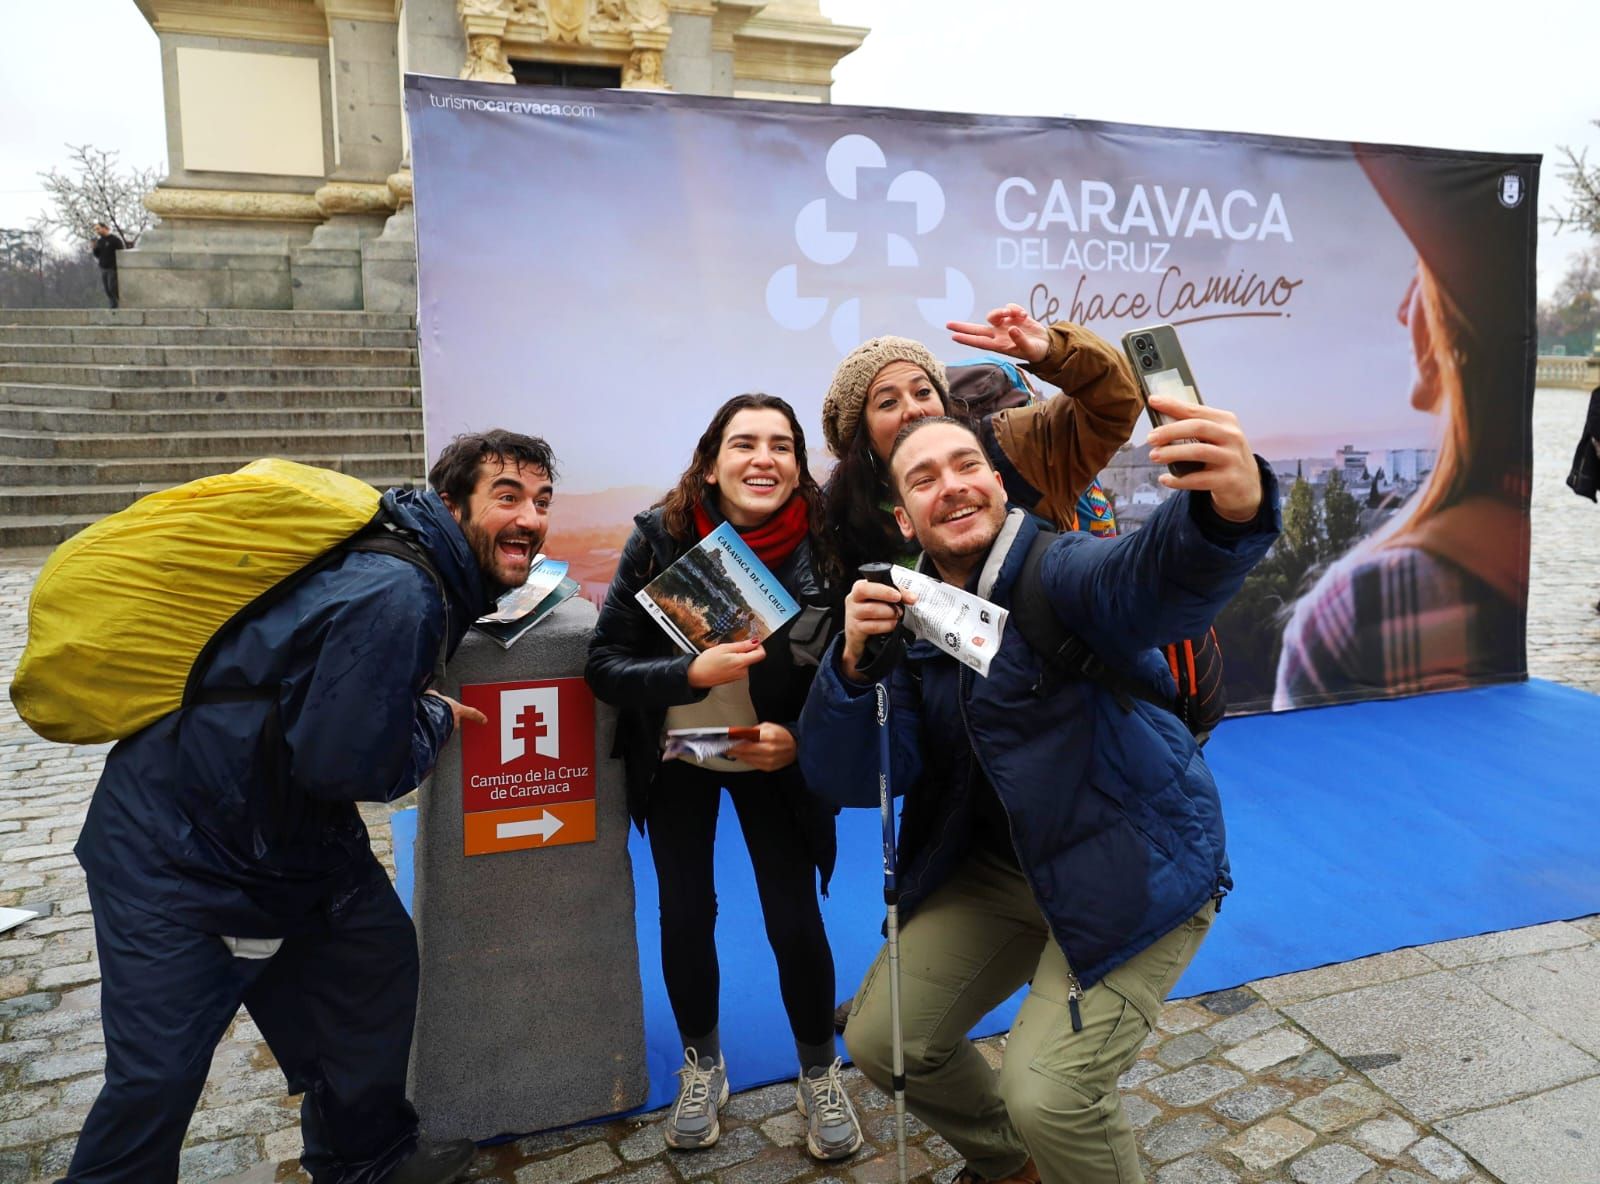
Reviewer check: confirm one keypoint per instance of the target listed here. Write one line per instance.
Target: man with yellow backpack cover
(261, 645)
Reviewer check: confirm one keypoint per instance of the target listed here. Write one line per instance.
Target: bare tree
(1571, 317)
(1581, 281)
(21, 250)
(93, 189)
(1582, 211)
(35, 273)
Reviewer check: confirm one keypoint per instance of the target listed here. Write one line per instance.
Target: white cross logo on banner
(828, 232)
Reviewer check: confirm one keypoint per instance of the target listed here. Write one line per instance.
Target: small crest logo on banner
(1511, 190)
(823, 231)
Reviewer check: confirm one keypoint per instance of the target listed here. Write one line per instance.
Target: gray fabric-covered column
(530, 1013)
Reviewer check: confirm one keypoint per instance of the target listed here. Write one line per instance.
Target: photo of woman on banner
(1437, 598)
(749, 469)
(1047, 453)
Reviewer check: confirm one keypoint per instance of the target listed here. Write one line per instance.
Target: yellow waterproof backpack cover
(122, 610)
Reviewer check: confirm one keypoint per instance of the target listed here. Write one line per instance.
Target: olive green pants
(968, 948)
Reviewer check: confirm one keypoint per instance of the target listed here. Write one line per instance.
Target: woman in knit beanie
(1047, 454)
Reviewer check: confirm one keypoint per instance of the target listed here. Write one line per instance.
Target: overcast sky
(1518, 79)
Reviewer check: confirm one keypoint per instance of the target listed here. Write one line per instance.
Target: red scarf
(774, 539)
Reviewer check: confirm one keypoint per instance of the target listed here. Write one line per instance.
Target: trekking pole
(891, 901)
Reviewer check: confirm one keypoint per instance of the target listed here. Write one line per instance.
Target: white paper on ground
(11, 918)
(966, 627)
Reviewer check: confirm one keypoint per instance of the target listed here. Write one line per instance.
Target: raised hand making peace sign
(1010, 331)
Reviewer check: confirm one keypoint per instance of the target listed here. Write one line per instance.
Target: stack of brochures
(522, 608)
(702, 743)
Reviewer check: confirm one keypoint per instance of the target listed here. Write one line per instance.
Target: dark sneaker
(833, 1131)
(1026, 1174)
(702, 1088)
(434, 1163)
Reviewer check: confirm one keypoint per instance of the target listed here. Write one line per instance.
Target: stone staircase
(99, 408)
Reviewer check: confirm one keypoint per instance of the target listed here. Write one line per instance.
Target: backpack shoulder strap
(1033, 614)
(378, 536)
(384, 538)
(387, 540)
(1063, 652)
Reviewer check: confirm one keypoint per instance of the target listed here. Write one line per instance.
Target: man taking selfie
(1058, 826)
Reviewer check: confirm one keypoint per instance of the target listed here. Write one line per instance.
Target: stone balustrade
(1576, 372)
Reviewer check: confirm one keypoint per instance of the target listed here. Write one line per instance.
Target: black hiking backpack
(981, 387)
(1196, 663)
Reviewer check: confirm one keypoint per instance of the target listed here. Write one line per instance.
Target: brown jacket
(1058, 446)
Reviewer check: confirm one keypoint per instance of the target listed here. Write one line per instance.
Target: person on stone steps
(104, 249)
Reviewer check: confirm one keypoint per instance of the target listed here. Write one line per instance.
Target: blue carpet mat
(1353, 830)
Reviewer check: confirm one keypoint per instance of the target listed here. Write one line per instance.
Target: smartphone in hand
(1158, 362)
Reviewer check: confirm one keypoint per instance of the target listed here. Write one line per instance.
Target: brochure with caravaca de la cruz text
(718, 591)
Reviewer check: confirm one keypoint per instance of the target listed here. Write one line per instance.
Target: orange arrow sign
(489, 831)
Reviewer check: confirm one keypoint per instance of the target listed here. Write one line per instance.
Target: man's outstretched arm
(1173, 577)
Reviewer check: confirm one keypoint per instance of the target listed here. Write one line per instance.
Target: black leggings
(682, 825)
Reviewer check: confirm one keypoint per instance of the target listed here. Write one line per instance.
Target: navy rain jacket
(239, 818)
(1113, 813)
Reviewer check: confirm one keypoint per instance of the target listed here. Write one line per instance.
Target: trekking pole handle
(877, 573)
(881, 654)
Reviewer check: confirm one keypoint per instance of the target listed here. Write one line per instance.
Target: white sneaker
(702, 1088)
(833, 1130)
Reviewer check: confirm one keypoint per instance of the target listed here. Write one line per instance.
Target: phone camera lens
(1147, 362)
(1142, 344)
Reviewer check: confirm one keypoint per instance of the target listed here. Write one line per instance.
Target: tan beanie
(847, 395)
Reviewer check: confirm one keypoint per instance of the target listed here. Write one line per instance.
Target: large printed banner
(604, 268)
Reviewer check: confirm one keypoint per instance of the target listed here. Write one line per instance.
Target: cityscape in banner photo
(607, 273)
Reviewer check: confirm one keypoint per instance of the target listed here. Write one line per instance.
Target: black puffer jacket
(1585, 476)
(634, 666)
(105, 250)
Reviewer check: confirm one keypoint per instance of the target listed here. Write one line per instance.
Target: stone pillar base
(531, 1012)
(389, 265)
(325, 273)
(211, 265)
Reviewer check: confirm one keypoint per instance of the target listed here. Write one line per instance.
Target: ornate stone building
(290, 184)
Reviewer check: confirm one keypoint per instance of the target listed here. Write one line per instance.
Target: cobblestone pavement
(1564, 572)
(1469, 1061)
